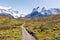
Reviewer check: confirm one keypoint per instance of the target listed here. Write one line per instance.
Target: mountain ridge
(43, 12)
(36, 12)
(10, 11)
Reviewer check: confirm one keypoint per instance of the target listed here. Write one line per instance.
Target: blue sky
(26, 6)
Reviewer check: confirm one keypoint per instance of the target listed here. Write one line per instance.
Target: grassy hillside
(10, 29)
(47, 28)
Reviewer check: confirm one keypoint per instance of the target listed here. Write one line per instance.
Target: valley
(46, 28)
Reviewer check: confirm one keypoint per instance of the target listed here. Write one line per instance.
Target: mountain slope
(6, 15)
(9, 12)
(38, 12)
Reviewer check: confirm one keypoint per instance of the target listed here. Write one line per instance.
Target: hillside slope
(10, 29)
(47, 28)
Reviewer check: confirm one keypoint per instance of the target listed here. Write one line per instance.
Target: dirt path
(26, 35)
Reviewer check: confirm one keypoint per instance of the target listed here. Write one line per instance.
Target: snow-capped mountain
(38, 12)
(55, 10)
(8, 12)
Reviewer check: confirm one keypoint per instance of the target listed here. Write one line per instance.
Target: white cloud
(3, 7)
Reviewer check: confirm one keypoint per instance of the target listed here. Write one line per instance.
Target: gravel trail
(26, 35)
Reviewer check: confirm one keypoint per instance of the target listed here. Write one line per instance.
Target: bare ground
(26, 35)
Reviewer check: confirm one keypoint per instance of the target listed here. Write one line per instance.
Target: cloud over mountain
(38, 12)
(10, 11)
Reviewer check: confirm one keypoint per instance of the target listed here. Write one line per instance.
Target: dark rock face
(43, 12)
(6, 15)
(34, 15)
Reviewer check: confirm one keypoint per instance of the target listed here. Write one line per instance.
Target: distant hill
(6, 15)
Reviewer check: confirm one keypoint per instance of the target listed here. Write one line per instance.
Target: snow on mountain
(55, 10)
(38, 12)
(10, 11)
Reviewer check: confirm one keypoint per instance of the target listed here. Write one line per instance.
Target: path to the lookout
(25, 34)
